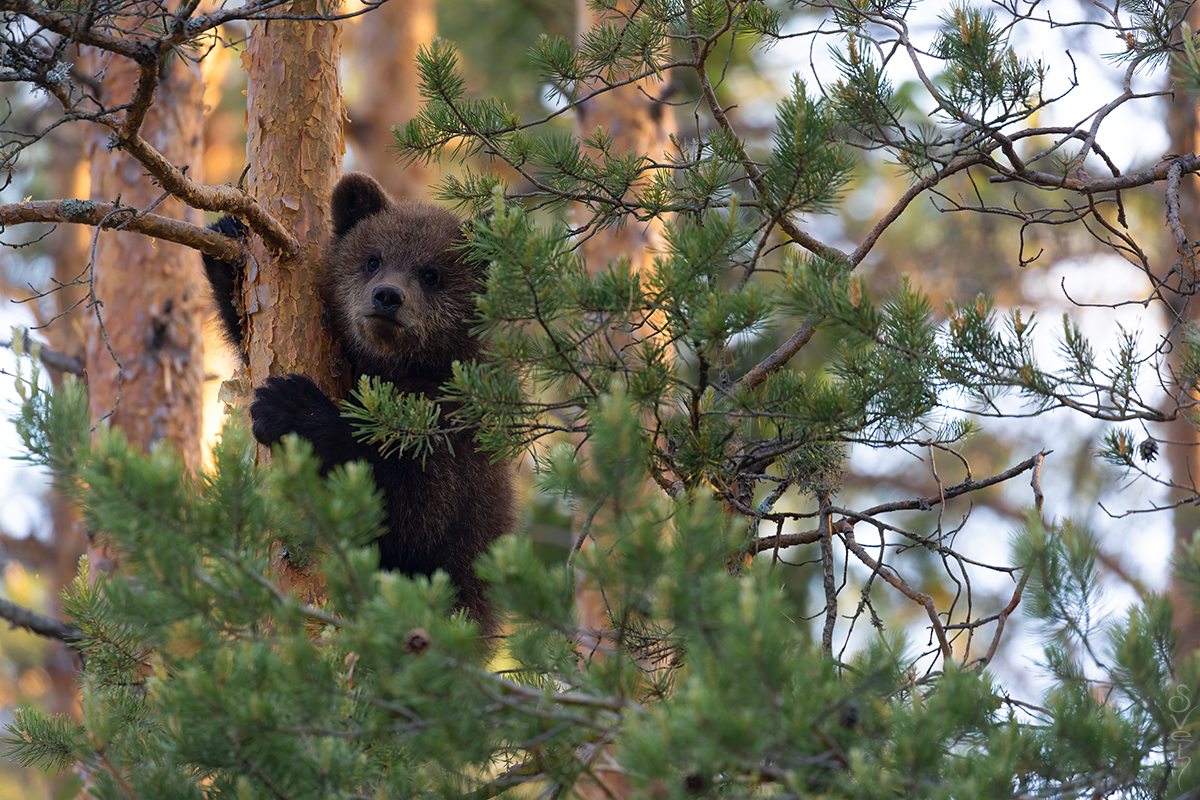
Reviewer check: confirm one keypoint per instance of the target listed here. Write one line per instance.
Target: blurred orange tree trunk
(224, 155)
(383, 53)
(145, 350)
(636, 123)
(68, 172)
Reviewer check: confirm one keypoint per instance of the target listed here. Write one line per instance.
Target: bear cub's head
(396, 283)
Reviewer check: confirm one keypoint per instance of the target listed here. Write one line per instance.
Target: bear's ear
(356, 197)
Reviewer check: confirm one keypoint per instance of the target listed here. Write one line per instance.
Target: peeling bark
(294, 146)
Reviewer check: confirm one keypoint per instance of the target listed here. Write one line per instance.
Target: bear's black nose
(387, 299)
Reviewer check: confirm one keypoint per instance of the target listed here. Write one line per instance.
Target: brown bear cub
(398, 294)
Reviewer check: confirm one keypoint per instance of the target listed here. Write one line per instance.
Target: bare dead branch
(966, 487)
(42, 625)
(783, 540)
(827, 579)
(1186, 252)
(139, 104)
(1035, 481)
(783, 354)
(1187, 164)
(227, 199)
(111, 215)
(54, 359)
(892, 577)
(1002, 618)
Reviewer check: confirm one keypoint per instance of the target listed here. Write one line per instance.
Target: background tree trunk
(151, 293)
(145, 349)
(1183, 449)
(69, 175)
(224, 157)
(383, 51)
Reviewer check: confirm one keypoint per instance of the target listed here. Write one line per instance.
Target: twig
(966, 487)
(1035, 481)
(1002, 618)
(892, 577)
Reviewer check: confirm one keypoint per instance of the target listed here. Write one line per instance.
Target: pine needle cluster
(202, 679)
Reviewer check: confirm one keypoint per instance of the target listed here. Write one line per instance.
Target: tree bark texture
(294, 147)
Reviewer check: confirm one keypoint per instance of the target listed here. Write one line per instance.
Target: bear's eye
(431, 276)
(372, 263)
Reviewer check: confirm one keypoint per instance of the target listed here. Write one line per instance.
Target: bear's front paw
(292, 405)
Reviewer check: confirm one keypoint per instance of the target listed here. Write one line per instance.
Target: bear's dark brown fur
(397, 293)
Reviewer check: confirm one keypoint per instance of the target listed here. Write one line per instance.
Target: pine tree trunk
(1183, 448)
(294, 147)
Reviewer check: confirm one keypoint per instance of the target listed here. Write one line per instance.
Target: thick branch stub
(42, 625)
(54, 359)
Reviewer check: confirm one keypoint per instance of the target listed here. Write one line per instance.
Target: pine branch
(1185, 164)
